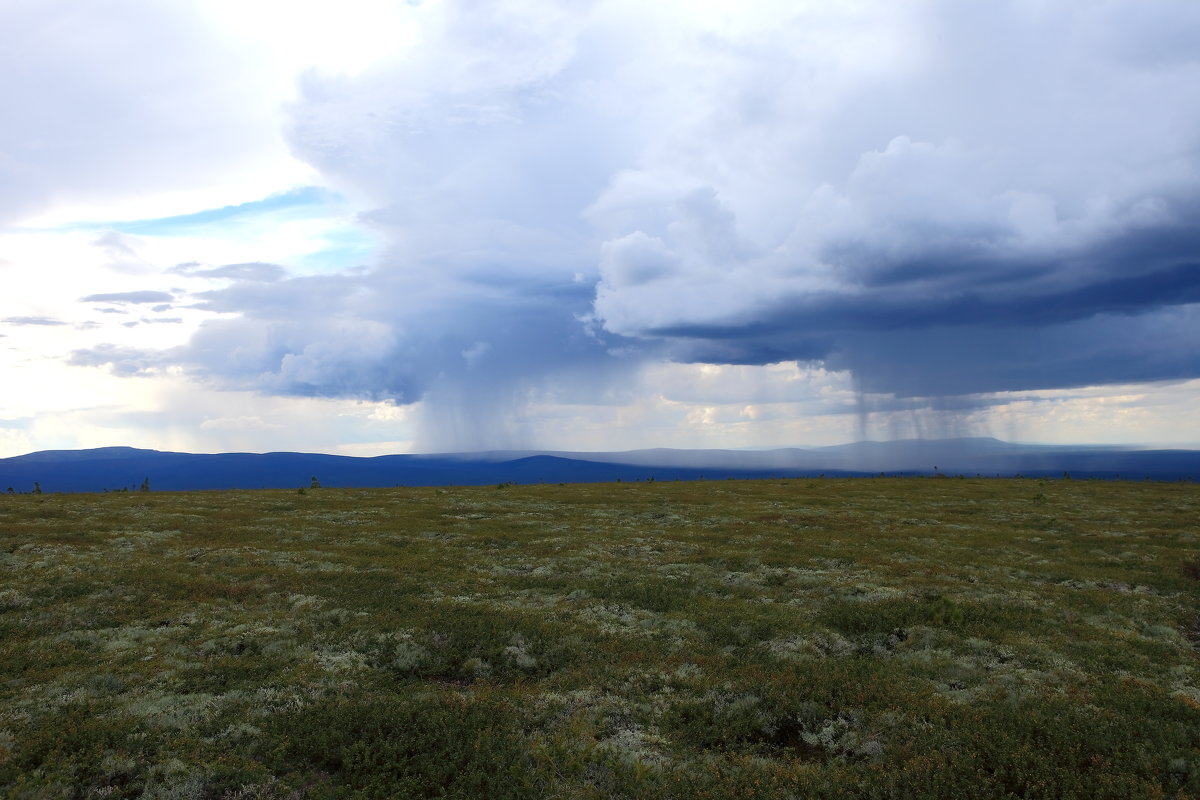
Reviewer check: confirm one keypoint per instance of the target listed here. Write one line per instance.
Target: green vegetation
(828, 638)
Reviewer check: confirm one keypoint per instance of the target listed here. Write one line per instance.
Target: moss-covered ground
(801, 638)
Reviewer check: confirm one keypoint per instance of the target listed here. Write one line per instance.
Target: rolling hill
(117, 468)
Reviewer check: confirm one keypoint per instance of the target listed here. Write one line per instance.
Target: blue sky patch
(302, 202)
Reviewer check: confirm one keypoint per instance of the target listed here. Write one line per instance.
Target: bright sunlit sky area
(371, 227)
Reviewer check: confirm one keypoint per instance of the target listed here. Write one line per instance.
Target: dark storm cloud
(1104, 349)
(1139, 272)
(982, 321)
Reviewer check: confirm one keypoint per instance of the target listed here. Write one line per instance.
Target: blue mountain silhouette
(116, 468)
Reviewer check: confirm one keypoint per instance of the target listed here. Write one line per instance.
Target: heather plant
(825, 638)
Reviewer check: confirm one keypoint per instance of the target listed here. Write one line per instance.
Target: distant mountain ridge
(116, 468)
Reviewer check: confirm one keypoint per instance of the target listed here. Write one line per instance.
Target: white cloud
(130, 107)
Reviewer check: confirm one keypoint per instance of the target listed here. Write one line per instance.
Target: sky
(371, 227)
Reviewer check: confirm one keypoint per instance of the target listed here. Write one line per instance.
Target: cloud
(1009, 224)
(474, 354)
(138, 297)
(33, 320)
(239, 424)
(382, 336)
(252, 271)
(936, 198)
(123, 360)
(125, 99)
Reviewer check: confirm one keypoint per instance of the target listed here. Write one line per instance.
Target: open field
(788, 638)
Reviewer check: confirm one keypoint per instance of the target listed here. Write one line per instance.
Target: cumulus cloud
(1021, 215)
(939, 198)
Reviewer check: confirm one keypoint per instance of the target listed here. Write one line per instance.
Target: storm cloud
(941, 198)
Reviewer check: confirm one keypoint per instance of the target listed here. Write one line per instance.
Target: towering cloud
(942, 198)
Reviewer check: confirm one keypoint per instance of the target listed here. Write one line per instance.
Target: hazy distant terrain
(114, 468)
(810, 638)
